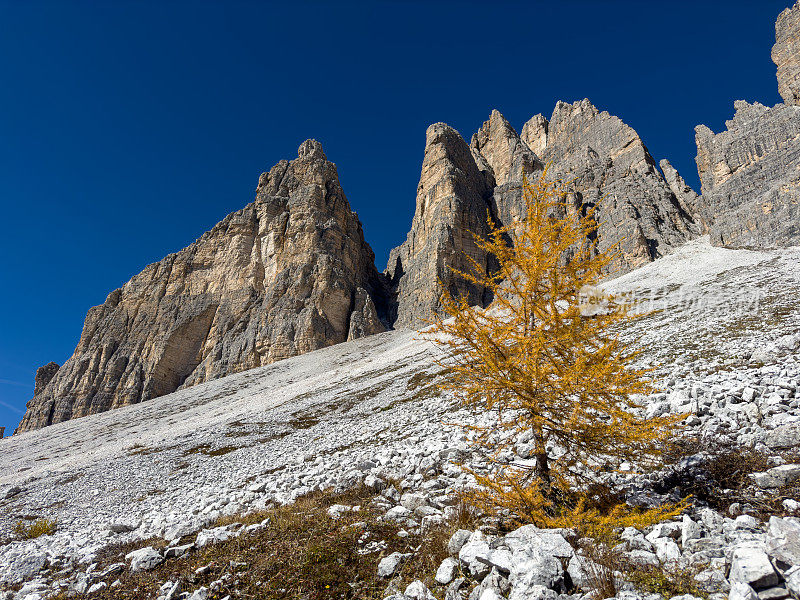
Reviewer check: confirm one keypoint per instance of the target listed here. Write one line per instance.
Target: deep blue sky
(127, 129)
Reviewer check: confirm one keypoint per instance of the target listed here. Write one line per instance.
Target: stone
(793, 581)
(178, 551)
(643, 558)
(22, 565)
(447, 571)
(532, 567)
(418, 591)
(689, 530)
(452, 203)
(122, 526)
(783, 542)
(12, 491)
(777, 477)
(786, 54)
(783, 437)
(412, 501)
(388, 565)
(474, 555)
(742, 591)
(457, 541)
(287, 274)
(548, 542)
(490, 594)
(752, 566)
(532, 592)
(213, 536)
(500, 559)
(398, 512)
(774, 593)
(666, 549)
(96, 587)
(144, 559)
(199, 594)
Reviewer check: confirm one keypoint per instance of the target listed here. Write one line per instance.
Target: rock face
(604, 159)
(750, 173)
(453, 197)
(786, 54)
(287, 274)
(608, 166)
(750, 176)
(43, 376)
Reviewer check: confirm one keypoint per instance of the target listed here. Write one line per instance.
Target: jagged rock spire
(452, 202)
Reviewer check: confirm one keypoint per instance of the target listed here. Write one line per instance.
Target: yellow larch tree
(550, 365)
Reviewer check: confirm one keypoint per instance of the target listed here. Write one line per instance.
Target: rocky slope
(370, 411)
(291, 272)
(750, 173)
(287, 274)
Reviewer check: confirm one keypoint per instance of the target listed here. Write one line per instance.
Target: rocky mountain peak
(287, 274)
(503, 150)
(534, 134)
(311, 149)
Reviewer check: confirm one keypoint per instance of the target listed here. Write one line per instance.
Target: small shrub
(28, 531)
(667, 581)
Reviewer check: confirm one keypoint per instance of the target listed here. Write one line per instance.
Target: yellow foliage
(548, 367)
(28, 531)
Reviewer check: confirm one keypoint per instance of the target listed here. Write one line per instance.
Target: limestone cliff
(750, 173)
(608, 166)
(287, 274)
(452, 203)
(750, 176)
(786, 54)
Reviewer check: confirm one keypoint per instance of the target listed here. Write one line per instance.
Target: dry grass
(208, 450)
(302, 553)
(724, 477)
(603, 566)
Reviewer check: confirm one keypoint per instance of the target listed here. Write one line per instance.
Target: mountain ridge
(324, 287)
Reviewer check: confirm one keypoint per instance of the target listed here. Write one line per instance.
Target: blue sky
(127, 129)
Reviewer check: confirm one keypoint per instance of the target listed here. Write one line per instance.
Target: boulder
(447, 571)
(752, 566)
(389, 564)
(144, 559)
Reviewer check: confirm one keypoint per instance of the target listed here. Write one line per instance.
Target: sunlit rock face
(287, 274)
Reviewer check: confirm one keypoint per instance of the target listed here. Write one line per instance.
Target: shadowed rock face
(287, 274)
(608, 166)
(786, 54)
(452, 203)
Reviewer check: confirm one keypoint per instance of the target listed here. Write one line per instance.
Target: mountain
(291, 272)
(287, 274)
(604, 161)
(370, 411)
